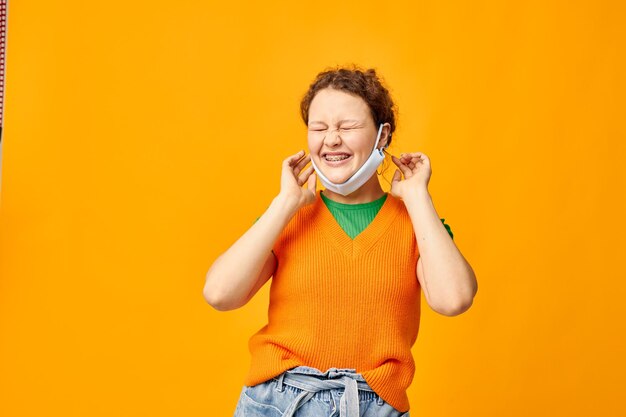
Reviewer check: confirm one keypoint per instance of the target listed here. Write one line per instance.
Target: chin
(338, 179)
(337, 176)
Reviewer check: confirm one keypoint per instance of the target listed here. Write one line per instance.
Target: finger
(422, 160)
(302, 178)
(405, 169)
(412, 159)
(301, 164)
(419, 157)
(396, 176)
(397, 161)
(413, 155)
(289, 161)
(408, 164)
(408, 158)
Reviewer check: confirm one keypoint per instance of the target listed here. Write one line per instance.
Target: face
(341, 133)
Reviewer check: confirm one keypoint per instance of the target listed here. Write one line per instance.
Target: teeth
(336, 157)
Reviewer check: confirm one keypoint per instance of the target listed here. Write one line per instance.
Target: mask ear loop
(384, 149)
(382, 165)
(381, 173)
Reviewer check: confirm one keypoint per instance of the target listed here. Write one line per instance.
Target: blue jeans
(308, 392)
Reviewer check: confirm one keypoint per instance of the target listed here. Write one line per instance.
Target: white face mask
(361, 176)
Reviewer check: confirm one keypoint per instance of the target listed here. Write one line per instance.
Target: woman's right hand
(293, 177)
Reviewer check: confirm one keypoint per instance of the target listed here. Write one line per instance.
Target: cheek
(360, 144)
(314, 144)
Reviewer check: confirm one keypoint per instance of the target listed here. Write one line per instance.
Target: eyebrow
(341, 121)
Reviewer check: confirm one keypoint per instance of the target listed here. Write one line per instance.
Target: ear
(384, 135)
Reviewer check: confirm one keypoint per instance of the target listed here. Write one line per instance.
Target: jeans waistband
(311, 381)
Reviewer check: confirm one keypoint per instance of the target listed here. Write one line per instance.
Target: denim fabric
(308, 392)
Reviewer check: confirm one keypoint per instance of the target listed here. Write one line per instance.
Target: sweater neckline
(364, 240)
(358, 206)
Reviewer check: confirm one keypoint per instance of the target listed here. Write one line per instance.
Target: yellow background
(143, 138)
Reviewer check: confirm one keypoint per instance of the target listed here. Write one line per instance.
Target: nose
(331, 139)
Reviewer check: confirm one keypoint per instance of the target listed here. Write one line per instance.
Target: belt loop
(379, 400)
(279, 384)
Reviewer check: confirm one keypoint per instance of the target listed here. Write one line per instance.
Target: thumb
(397, 176)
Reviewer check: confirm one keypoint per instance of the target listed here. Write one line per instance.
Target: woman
(347, 263)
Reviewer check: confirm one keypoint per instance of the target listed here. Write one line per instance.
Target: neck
(368, 192)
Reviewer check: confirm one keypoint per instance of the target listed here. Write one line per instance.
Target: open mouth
(335, 158)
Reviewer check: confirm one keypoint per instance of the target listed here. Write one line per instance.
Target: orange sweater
(344, 303)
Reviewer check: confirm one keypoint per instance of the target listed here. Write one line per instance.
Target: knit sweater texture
(342, 302)
(354, 218)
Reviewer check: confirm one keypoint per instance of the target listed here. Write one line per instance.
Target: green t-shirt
(354, 218)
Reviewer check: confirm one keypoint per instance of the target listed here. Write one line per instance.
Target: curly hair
(354, 80)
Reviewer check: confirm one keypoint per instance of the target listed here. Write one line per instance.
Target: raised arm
(448, 280)
(237, 274)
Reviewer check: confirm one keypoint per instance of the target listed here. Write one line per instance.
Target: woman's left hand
(416, 170)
